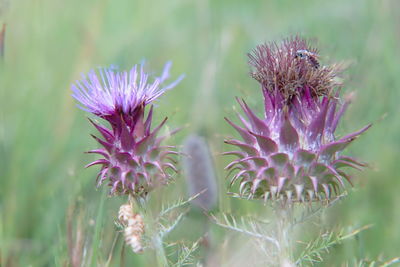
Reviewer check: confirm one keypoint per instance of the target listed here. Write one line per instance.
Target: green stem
(283, 212)
(160, 253)
(98, 229)
(140, 203)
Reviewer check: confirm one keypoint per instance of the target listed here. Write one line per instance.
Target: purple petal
(108, 91)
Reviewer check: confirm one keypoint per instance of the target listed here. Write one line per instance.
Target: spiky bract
(291, 152)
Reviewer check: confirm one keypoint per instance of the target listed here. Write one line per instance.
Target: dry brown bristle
(279, 67)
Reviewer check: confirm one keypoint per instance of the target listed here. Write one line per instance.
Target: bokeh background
(49, 43)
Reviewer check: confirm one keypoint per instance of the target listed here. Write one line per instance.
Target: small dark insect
(311, 57)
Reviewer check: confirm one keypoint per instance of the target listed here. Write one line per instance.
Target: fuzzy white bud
(133, 227)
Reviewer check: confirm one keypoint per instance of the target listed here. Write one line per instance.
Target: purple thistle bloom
(133, 160)
(292, 151)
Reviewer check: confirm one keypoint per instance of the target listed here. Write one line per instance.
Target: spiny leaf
(179, 203)
(185, 254)
(314, 250)
(166, 229)
(245, 226)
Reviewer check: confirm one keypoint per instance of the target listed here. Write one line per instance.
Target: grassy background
(42, 134)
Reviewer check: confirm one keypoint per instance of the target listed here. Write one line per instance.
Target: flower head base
(292, 152)
(133, 160)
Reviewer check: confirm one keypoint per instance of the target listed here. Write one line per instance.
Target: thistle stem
(160, 253)
(283, 215)
(156, 237)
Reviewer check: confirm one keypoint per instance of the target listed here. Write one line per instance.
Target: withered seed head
(290, 66)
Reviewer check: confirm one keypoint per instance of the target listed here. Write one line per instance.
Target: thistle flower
(133, 160)
(292, 151)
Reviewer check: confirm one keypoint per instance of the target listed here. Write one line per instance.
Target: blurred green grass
(42, 134)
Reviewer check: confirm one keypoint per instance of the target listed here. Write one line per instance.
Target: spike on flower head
(133, 160)
(292, 151)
